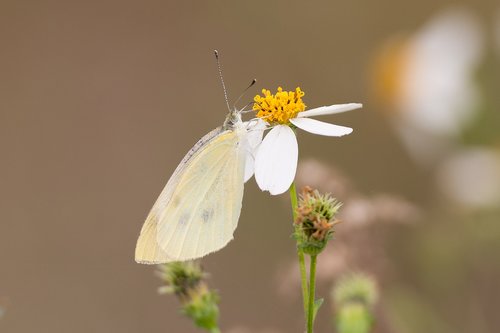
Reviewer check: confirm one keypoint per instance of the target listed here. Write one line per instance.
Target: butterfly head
(232, 120)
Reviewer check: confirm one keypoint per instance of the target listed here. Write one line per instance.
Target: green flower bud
(354, 296)
(355, 287)
(203, 308)
(180, 277)
(185, 279)
(315, 220)
(354, 318)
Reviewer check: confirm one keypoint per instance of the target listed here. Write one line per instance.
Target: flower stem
(300, 252)
(312, 283)
(303, 278)
(215, 330)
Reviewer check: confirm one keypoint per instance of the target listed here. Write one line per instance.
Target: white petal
(336, 108)
(276, 160)
(249, 166)
(255, 130)
(320, 127)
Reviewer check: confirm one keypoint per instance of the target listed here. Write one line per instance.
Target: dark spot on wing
(207, 215)
(184, 218)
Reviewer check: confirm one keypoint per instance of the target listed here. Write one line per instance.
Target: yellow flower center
(279, 108)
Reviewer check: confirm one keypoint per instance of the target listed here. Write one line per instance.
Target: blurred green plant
(186, 281)
(354, 296)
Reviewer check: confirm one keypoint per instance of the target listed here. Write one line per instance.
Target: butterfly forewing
(199, 207)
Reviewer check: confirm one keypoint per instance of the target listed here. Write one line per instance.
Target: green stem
(303, 278)
(300, 252)
(294, 200)
(312, 284)
(215, 330)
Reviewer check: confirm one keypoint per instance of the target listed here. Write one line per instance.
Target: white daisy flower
(276, 157)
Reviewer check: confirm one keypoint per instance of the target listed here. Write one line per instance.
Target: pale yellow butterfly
(198, 210)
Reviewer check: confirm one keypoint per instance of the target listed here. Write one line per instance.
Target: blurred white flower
(438, 91)
(471, 178)
(430, 76)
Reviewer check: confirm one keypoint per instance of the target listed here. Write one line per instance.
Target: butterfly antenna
(243, 109)
(221, 78)
(243, 93)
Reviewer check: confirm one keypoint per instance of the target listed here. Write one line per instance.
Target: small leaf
(317, 305)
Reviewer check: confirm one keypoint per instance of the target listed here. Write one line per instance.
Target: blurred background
(100, 100)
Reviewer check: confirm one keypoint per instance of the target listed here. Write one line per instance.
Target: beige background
(99, 101)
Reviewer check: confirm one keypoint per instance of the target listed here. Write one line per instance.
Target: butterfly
(198, 210)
